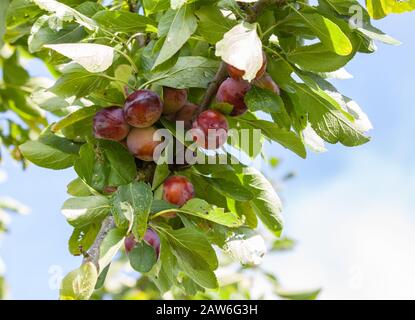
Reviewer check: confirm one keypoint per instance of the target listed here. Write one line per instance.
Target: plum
(150, 237)
(266, 82)
(143, 108)
(187, 114)
(110, 124)
(233, 92)
(173, 99)
(178, 190)
(142, 142)
(237, 74)
(210, 129)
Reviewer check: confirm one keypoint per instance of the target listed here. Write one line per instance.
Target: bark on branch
(93, 253)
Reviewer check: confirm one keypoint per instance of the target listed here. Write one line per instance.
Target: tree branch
(93, 253)
(256, 9)
(213, 87)
(221, 74)
(132, 5)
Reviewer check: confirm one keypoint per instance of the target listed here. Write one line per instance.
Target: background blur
(352, 211)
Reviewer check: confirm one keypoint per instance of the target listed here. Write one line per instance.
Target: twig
(221, 74)
(132, 6)
(256, 10)
(213, 87)
(93, 253)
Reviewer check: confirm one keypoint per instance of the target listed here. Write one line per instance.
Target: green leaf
(328, 119)
(136, 197)
(188, 72)
(375, 34)
(202, 209)
(379, 9)
(328, 32)
(78, 83)
(102, 277)
(161, 205)
(122, 21)
(299, 295)
(65, 13)
(81, 211)
(109, 247)
(122, 164)
(20, 12)
(3, 10)
(41, 34)
(183, 25)
(194, 255)
(318, 58)
(80, 283)
(283, 244)
(244, 137)
(50, 151)
(13, 72)
(82, 238)
(212, 24)
(266, 203)
(194, 241)
(74, 117)
(161, 174)
(244, 209)
(286, 138)
(142, 257)
(230, 189)
(258, 99)
(152, 6)
(50, 102)
(106, 164)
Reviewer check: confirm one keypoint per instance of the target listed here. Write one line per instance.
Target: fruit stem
(127, 57)
(117, 80)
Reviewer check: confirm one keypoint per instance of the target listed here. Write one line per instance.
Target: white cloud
(355, 233)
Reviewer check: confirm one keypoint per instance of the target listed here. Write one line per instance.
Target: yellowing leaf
(80, 283)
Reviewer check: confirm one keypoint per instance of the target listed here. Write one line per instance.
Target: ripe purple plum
(129, 243)
(266, 82)
(142, 142)
(150, 237)
(178, 190)
(187, 114)
(210, 129)
(237, 74)
(233, 92)
(143, 108)
(110, 124)
(173, 99)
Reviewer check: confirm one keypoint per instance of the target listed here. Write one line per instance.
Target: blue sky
(352, 211)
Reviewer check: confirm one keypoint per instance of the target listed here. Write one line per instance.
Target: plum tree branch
(221, 74)
(132, 5)
(93, 253)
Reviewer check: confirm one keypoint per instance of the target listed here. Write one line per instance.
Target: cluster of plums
(234, 89)
(133, 125)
